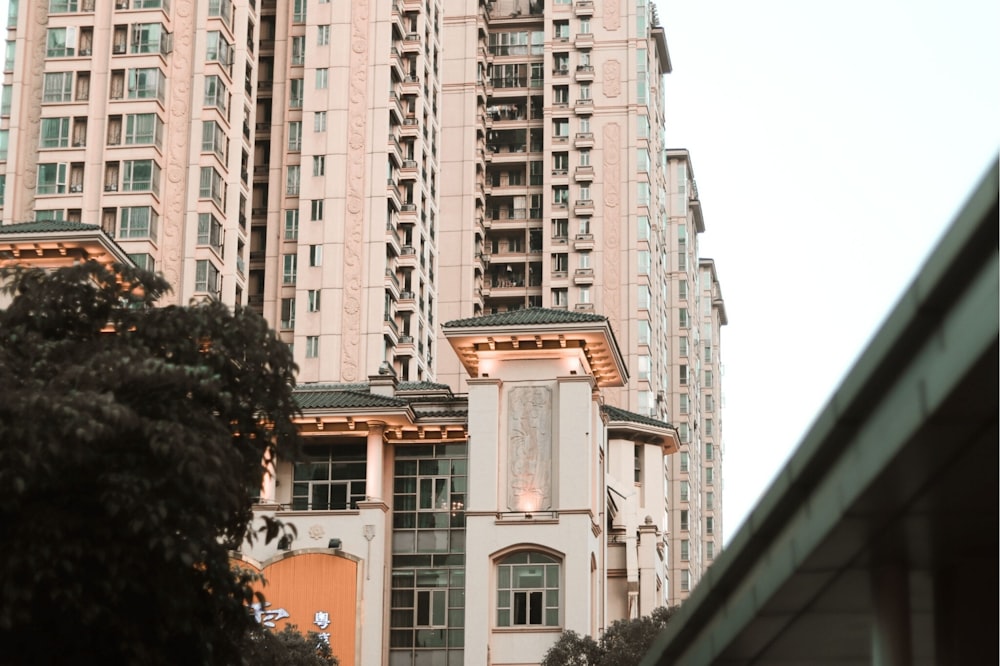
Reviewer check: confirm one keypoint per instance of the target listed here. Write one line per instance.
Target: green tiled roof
(46, 226)
(335, 398)
(616, 414)
(421, 386)
(527, 317)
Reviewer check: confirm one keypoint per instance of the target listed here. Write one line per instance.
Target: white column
(373, 470)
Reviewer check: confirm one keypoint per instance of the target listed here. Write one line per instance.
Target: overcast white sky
(832, 144)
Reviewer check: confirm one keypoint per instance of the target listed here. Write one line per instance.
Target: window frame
(520, 605)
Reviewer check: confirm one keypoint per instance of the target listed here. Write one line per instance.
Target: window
(645, 296)
(644, 262)
(560, 127)
(213, 139)
(209, 231)
(319, 121)
(211, 185)
(560, 228)
(63, 6)
(293, 180)
(322, 35)
(146, 37)
(138, 222)
(313, 302)
(319, 165)
(298, 50)
(708, 378)
(682, 345)
(710, 550)
(316, 210)
(645, 366)
(685, 580)
(708, 354)
(295, 136)
(287, 313)
(709, 451)
(216, 94)
(709, 525)
(685, 464)
(645, 332)
(644, 228)
(585, 260)
(585, 294)
(206, 277)
(560, 162)
(560, 262)
(218, 49)
(685, 491)
(51, 178)
(682, 289)
(685, 403)
(710, 500)
(682, 371)
(528, 590)
(585, 25)
(144, 261)
(322, 78)
(560, 298)
(146, 83)
(299, 11)
(58, 87)
(709, 403)
(140, 176)
(296, 89)
(682, 318)
(585, 157)
(292, 225)
(290, 263)
(330, 478)
(685, 525)
(709, 476)
(54, 133)
(643, 194)
(684, 432)
(560, 95)
(685, 550)
(315, 255)
(144, 128)
(312, 346)
(560, 195)
(60, 42)
(560, 30)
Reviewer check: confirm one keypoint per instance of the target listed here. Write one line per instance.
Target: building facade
(336, 168)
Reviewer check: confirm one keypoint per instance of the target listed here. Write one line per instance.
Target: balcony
(408, 213)
(583, 242)
(583, 7)
(584, 140)
(392, 191)
(407, 257)
(584, 106)
(392, 240)
(583, 207)
(583, 276)
(584, 73)
(584, 40)
(407, 302)
(583, 173)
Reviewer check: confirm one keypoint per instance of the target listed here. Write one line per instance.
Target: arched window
(528, 590)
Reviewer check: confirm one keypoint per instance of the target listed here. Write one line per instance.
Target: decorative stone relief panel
(612, 71)
(612, 14)
(529, 454)
(612, 220)
(354, 225)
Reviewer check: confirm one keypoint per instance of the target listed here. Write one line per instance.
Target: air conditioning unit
(85, 52)
(76, 188)
(111, 188)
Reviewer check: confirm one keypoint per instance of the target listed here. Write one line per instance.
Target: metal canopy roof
(877, 543)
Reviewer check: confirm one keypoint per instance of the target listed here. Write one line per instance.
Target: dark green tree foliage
(131, 440)
(624, 643)
(289, 648)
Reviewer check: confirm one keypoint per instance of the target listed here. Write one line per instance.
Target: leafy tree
(624, 643)
(289, 648)
(131, 441)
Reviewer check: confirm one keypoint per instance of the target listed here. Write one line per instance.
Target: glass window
(299, 50)
(295, 136)
(51, 178)
(685, 491)
(644, 332)
(138, 222)
(316, 210)
(60, 42)
(322, 78)
(216, 93)
(63, 6)
(146, 37)
(296, 88)
(143, 128)
(312, 351)
(211, 185)
(206, 277)
(528, 590)
(54, 133)
(140, 176)
(290, 263)
(146, 83)
(292, 224)
(319, 165)
(315, 255)
(322, 35)
(58, 87)
(319, 121)
(313, 302)
(685, 550)
(293, 180)
(287, 313)
(299, 11)
(218, 49)
(329, 478)
(209, 231)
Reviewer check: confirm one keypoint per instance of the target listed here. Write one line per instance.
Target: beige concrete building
(335, 167)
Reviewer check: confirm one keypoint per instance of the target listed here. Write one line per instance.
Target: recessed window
(323, 35)
(331, 478)
(528, 590)
(312, 346)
